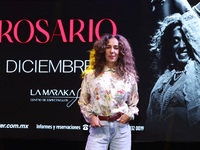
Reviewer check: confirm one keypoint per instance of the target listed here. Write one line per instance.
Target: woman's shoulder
(88, 74)
(131, 78)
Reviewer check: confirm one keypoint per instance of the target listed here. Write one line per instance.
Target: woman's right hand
(95, 122)
(182, 5)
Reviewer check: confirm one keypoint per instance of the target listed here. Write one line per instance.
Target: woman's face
(112, 52)
(179, 46)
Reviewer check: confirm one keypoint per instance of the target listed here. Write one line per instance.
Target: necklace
(177, 75)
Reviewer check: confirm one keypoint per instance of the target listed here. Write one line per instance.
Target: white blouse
(107, 95)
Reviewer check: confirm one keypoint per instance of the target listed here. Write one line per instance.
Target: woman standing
(109, 94)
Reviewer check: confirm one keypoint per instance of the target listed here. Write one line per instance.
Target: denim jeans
(114, 134)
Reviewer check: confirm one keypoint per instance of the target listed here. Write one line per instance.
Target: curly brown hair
(125, 64)
(161, 43)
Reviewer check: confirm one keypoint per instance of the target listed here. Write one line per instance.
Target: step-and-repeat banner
(44, 48)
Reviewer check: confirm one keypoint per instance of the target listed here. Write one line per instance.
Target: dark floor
(11, 144)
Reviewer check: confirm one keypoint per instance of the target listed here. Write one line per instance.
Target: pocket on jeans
(123, 128)
(96, 131)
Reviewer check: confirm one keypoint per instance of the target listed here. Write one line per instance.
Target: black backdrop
(40, 82)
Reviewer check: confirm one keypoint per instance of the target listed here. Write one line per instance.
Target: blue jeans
(114, 134)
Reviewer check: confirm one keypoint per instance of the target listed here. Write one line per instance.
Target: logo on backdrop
(67, 96)
(86, 127)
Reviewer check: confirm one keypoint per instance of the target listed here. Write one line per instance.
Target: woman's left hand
(124, 119)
